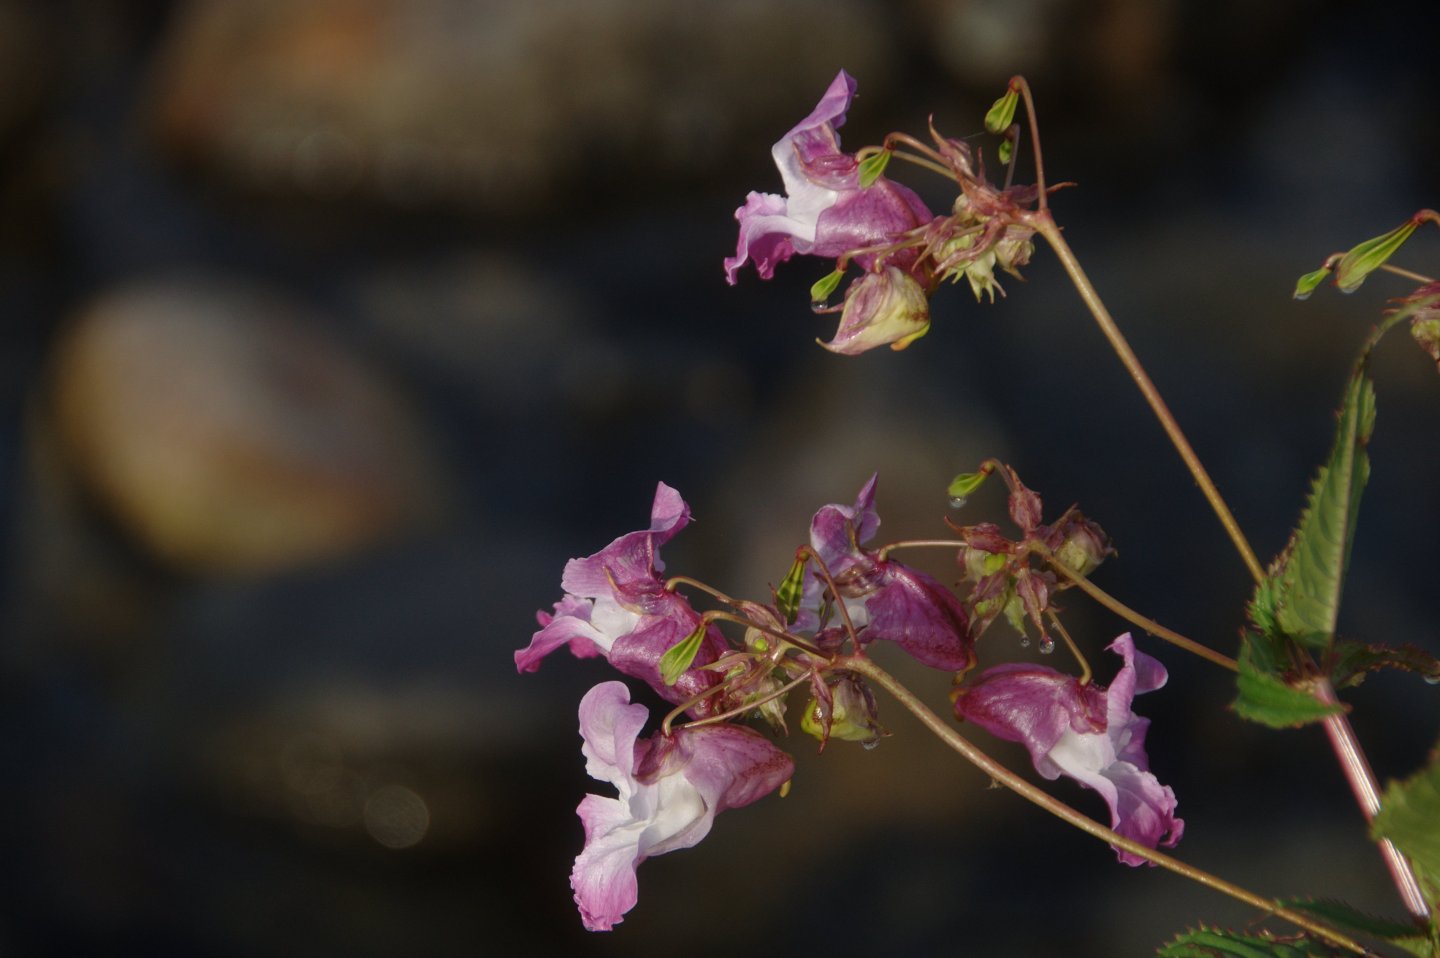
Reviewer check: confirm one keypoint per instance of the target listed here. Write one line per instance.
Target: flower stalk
(1037, 796)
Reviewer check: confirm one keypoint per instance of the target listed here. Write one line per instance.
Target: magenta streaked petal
(767, 235)
(1086, 733)
(570, 625)
(631, 561)
(603, 878)
(670, 790)
(921, 616)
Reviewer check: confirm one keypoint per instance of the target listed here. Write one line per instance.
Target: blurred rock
(226, 432)
(496, 106)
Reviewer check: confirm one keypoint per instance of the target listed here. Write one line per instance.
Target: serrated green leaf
(1410, 817)
(679, 656)
(792, 587)
(825, 286)
(1353, 659)
(1307, 283)
(1349, 918)
(1265, 697)
(1364, 258)
(872, 167)
(1306, 597)
(1222, 943)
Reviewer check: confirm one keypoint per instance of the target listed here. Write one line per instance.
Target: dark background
(332, 329)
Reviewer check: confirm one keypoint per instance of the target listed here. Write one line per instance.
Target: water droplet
(868, 746)
(1433, 679)
(957, 501)
(1024, 641)
(1047, 645)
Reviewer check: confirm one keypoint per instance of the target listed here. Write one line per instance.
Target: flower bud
(1084, 548)
(849, 715)
(884, 308)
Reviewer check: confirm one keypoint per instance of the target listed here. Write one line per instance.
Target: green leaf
(1410, 817)
(787, 596)
(1265, 697)
(872, 166)
(1353, 659)
(1307, 581)
(1349, 918)
(1307, 283)
(1002, 112)
(1222, 943)
(675, 661)
(825, 286)
(1365, 258)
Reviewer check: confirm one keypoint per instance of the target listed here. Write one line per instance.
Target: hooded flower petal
(670, 790)
(616, 605)
(825, 212)
(1086, 733)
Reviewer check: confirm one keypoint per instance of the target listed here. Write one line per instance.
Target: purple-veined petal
(670, 790)
(921, 616)
(570, 625)
(631, 562)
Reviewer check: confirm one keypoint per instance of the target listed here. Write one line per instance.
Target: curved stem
(1020, 84)
(1044, 224)
(1135, 618)
(1037, 796)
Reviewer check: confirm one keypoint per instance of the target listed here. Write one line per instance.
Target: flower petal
(631, 562)
(570, 625)
(921, 616)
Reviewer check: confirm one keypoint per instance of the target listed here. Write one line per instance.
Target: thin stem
(885, 551)
(713, 592)
(1037, 796)
(786, 637)
(741, 709)
(1044, 224)
(1367, 794)
(1019, 83)
(1085, 673)
(1148, 624)
(919, 147)
(933, 167)
(1407, 274)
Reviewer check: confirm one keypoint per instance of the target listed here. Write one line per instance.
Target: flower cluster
(1002, 570)
(839, 206)
(841, 596)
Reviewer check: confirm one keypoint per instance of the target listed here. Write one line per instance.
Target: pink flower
(670, 790)
(1086, 733)
(616, 605)
(824, 211)
(884, 599)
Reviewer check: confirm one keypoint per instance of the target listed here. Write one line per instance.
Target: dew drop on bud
(1047, 645)
(1024, 641)
(1433, 679)
(957, 502)
(870, 745)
